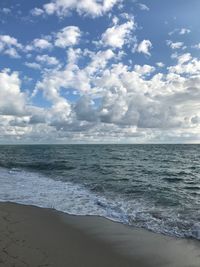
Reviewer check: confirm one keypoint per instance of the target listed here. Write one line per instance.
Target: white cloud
(93, 8)
(174, 55)
(40, 44)
(175, 45)
(181, 31)
(45, 59)
(12, 100)
(184, 31)
(132, 105)
(143, 7)
(144, 70)
(118, 35)
(160, 64)
(116, 100)
(9, 41)
(12, 52)
(10, 46)
(33, 65)
(37, 11)
(197, 46)
(68, 36)
(71, 76)
(51, 8)
(184, 58)
(186, 65)
(144, 47)
(127, 98)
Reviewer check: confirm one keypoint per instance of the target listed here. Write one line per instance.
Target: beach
(99, 133)
(32, 236)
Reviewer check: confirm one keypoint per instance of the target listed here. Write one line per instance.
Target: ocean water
(156, 187)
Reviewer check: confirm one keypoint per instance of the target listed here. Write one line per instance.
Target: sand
(32, 236)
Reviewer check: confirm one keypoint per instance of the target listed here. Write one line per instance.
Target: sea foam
(31, 188)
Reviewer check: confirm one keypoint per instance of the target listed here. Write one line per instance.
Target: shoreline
(33, 236)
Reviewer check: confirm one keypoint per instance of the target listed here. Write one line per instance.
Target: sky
(99, 71)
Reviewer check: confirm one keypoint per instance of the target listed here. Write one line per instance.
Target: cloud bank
(98, 85)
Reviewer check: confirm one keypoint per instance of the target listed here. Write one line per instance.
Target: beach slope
(31, 236)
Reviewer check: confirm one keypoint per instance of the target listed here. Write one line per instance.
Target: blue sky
(99, 71)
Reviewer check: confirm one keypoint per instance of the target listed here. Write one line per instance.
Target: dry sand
(31, 236)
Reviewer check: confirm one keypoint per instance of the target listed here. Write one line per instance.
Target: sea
(156, 187)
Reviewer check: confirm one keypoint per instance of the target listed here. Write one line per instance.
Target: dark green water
(151, 186)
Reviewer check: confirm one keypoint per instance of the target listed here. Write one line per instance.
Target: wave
(39, 165)
(30, 188)
(173, 180)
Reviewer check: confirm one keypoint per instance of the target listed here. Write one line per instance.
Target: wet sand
(32, 236)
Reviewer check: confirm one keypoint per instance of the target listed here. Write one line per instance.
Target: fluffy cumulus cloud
(104, 84)
(61, 8)
(118, 35)
(9, 46)
(184, 31)
(40, 44)
(72, 76)
(12, 100)
(196, 46)
(17, 115)
(133, 103)
(42, 61)
(175, 45)
(145, 69)
(129, 103)
(68, 36)
(184, 58)
(186, 65)
(45, 59)
(160, 64)
(144, 47)
(33, 65)
(37, 11)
